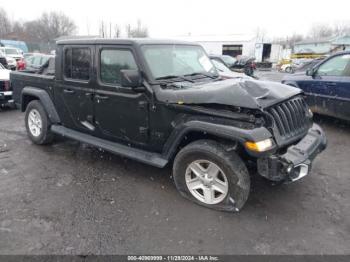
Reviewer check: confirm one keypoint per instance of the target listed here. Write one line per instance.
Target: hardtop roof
(120, 41)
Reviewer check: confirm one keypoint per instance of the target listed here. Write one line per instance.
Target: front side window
(335, 66)
(77, 62)
(112, 61)
(177, 60)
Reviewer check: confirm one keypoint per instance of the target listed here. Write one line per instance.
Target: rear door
(327, 81)
(121, 113)
(74, 93)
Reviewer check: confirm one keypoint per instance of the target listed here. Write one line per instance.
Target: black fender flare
(44, 98)
(229, 132)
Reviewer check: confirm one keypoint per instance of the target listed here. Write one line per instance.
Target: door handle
(101, 97)
(68, 91)
(331, 84)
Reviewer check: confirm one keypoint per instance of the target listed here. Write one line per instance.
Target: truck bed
(19, 80)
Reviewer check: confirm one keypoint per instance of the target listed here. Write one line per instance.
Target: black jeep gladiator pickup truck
(163, 102)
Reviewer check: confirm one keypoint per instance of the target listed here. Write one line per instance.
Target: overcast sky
(167, 18)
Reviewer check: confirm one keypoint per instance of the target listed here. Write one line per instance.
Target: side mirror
(311, 72)
(130, 78)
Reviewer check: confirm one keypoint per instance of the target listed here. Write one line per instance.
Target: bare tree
(341, 28)
(5, 23)
(319, 31)
(49, 27)
(117, 31)
(138, 31)
(102, 30)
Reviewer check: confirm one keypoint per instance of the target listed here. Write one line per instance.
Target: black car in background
(243, 64)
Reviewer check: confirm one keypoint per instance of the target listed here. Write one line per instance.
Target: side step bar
(153, 159)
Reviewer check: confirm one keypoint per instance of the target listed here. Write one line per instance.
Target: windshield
(229, 60)
(11, 51)
(177, 60)
(1, 66)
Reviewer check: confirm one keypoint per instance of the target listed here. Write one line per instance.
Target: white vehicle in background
(5, 88)
(11, 63)
(12, 56)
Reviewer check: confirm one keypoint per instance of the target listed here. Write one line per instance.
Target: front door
(121, 113)
(327, 81)
(74, 93)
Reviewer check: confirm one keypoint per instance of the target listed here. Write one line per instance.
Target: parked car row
(12, 59)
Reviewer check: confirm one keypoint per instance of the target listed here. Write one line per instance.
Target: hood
(253, 94)
(231, 74)
(4, 74)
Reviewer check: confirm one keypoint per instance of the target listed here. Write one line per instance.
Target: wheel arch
(232, 137)
(32, 93)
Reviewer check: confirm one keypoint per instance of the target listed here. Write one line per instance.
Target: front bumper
(296, 162)
(6, 97)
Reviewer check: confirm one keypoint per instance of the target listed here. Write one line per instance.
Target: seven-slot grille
(290, 117)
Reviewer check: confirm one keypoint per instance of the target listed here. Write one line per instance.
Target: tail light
(7, 85)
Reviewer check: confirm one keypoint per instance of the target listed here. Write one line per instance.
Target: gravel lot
(69, 198)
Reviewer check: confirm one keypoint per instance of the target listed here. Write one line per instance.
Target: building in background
(239, 44)
(319, 47)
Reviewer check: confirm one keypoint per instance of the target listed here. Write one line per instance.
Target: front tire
(207, 174)
(38, 124)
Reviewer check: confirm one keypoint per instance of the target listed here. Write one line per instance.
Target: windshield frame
(152, 79)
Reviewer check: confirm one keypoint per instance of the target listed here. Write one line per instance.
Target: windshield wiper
(203, 74)
(174, 77)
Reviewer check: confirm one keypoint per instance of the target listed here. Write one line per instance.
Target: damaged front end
(296, 162)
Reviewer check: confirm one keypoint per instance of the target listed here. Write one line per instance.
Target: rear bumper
(6, 97)
(297, 161)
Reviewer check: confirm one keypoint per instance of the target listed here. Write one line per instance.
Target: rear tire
(289, 70)
(220, 179)
(38, 124)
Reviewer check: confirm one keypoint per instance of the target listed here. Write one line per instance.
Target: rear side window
(77, 63)
(112, 61)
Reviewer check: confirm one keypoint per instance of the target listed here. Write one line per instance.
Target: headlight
(260, 146)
